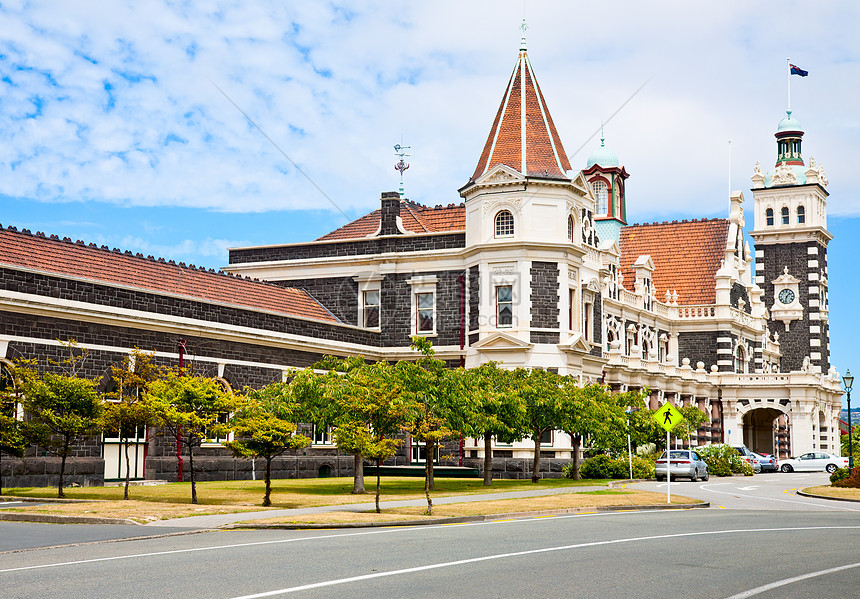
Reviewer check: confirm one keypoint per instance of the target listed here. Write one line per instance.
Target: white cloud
(125, 113)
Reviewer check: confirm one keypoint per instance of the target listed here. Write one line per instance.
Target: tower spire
(524, 26)
(401, 165)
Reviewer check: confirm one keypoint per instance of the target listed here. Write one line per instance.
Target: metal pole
(629, 451)
(668, 470)
(850, 446)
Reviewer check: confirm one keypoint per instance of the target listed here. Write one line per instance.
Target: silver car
(684, 463)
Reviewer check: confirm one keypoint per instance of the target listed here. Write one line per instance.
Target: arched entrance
(761, 430)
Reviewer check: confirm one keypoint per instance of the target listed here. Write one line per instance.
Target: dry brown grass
(837, 492)
(631, 499)
(139, 511)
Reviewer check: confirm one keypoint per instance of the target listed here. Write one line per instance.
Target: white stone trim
(813, 249)
(812, 263)
(813, 276)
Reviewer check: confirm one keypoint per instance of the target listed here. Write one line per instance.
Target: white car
(814, 461)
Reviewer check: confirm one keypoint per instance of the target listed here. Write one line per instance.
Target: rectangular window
(504, 305)
(571, 312)
(425, 308)
(546, 439)
(322, 435)
(370, 309)
(213, 436)
(586, 321)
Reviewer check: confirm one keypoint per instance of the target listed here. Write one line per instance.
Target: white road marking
(787, 581)
(753, 488)
(807, 503)
(338, 581)
(296, 540)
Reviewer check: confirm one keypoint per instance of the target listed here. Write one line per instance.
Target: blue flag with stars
(795, 70)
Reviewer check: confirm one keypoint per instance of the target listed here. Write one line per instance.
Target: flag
(795, 70)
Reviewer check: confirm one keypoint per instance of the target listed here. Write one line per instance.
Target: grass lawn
(173, 500)
(836, 492)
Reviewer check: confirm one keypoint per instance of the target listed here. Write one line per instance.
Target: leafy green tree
(545, 409)
(13, 441)
(498, 410)
(126, 411)
(64, 408)
(265, 427)
(192, 409)
(440, 408)
(693, 419)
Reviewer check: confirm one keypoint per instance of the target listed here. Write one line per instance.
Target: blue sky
(112, 130)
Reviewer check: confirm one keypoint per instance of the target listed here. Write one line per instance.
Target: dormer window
(768, 214)
(504, 224)
(801, 215)
(601, 192)
(785, 218)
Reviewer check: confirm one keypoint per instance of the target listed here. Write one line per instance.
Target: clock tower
(791, 237)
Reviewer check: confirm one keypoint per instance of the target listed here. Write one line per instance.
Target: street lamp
(848, 381)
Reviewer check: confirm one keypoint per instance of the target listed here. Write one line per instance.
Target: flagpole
(788, 72)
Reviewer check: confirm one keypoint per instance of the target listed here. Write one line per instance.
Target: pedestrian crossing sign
(668, 416)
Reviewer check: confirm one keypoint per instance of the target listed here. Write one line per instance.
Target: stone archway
(758, 429)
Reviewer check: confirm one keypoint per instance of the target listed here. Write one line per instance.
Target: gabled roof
(76, 259)
(686, 256)
(523, 135)
(416, 219)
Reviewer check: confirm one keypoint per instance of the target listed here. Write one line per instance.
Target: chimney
(390, 213)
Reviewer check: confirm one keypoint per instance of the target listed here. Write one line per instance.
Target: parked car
(767, 463)
(749, 456)
(683, 463)
(814, 461)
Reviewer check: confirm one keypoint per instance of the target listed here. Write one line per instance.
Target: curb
(816, 496)
(52, 519)
(48, 499)
(463, 519)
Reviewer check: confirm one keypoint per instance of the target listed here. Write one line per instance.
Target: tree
(439, 405)
(693, 419)
(265, 427)
(855, 443)
(498, 411)
(13, 441)
(542, 395)
(192, 409)
(63, 407)
(126, 411)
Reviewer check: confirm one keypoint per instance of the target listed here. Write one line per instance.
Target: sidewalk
(217, 520)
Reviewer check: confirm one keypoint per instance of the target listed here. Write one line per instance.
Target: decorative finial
(602, 138)
(524, 26)
(401, 165)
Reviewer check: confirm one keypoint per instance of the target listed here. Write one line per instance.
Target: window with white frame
(801, 215)
(740, 360)
(571, 227)
(785, 217)
(504, 306)
(601, 193)
(768, 214)
(419, 452)
(425, 321)
(321, 435)
(370, 309)
(9, 406)
(423, 304)
(588, 319)
(504, 224)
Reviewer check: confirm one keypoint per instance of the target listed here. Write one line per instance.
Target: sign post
(668, 417)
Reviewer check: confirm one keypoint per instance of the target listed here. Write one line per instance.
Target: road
(689, 553)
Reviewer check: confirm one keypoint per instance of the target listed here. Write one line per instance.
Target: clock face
(786, 296)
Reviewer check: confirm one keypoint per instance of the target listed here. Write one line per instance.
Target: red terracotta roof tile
(524, 104)
(416, 218)
(51, 255)
(686, 256)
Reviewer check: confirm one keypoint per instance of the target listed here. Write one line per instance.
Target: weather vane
(401, 165)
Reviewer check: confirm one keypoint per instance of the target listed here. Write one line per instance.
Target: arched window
(570, 228)
(769, 216)
(504, 224)
(601, 192)
(645, 350)
(785, 216)
(740, 360)
(801, 215)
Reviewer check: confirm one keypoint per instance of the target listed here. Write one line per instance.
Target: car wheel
(695, 476)
(831, 468)
(706, 476)
(786, 468)
(659, 478)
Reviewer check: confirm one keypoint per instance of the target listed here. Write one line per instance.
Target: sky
(122, 123)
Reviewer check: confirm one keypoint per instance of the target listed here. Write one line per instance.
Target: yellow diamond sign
(668, 416)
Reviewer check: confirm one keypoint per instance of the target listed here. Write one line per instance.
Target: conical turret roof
(523, 135)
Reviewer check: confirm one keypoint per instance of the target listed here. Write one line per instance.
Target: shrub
(851, 481)
(840, 474)
(605, 466)
(717, 457)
